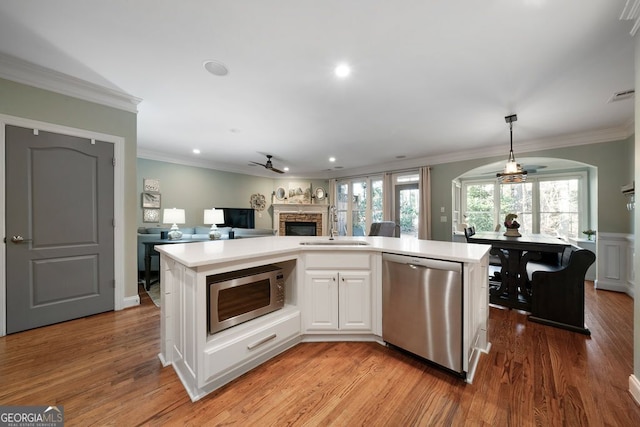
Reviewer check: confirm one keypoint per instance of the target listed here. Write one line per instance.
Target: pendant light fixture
(512, 171)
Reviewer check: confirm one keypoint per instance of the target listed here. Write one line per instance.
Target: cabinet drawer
(337, 260)
(249, 344)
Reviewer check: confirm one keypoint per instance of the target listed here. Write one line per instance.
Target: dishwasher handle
(423, 262)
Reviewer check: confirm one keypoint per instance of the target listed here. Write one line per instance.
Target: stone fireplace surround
(283, 213)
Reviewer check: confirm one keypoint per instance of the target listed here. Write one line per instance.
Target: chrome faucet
(333, 219)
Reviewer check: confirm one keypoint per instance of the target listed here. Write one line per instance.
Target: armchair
(557, 297)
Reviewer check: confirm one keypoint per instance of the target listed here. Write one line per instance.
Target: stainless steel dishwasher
(422, 308)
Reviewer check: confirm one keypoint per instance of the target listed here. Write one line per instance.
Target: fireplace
(299, 217)
(300, 228)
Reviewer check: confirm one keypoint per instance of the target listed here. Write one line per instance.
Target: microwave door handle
(261, 341)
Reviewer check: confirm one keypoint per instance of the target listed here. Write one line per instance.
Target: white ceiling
(431, 79)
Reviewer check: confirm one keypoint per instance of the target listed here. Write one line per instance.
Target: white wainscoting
(614, 261)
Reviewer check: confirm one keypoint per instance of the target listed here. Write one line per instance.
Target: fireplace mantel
(288, 209)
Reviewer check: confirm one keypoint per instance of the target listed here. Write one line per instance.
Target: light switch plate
(443, 219)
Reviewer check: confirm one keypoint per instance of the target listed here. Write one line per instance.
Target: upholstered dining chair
(385, 228)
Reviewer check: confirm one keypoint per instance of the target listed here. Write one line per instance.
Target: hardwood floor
(104, 370)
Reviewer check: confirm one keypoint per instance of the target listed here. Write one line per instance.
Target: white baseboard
(129, 302)
(634, 388)
(613, 286)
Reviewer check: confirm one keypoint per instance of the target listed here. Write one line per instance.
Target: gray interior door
(59, 222)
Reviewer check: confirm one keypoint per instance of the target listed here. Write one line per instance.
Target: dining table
(514, 290)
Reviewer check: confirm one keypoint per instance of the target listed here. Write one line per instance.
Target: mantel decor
(512, 226)
(299, 193)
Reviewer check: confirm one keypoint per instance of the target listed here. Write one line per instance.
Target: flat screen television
(239, 218)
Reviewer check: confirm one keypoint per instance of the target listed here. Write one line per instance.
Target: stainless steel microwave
(242, 295)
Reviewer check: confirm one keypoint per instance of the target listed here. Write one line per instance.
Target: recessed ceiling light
(196, 151)
(286, 169)
(332, 159)
(342, 71)
(216, 68)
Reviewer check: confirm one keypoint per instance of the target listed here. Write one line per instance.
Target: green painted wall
(36, 104)
(195, 189)
(614, 161)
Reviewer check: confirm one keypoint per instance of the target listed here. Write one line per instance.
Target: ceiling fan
(269, 165)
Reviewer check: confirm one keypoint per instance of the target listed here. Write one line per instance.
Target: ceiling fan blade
(268, 165)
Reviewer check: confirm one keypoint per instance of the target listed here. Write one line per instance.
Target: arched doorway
(558, 198)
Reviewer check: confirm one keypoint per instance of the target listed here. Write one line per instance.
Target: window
(407, 204)
(559, 207)
(480, 205)
(359, 203)
(548, 204)
(517, 198)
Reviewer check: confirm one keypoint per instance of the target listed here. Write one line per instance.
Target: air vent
(619, 96)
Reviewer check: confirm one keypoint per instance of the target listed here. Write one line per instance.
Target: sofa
(146, 234)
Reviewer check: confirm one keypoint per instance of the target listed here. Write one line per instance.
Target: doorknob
(19, 239)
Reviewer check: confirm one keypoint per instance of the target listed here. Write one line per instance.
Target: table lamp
(214, 217)
(174, 216)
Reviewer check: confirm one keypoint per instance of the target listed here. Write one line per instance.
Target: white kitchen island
(312, 311)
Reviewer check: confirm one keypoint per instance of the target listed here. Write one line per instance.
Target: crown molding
(198, 163)
(28, 73)
(570, 140)
(563, 141)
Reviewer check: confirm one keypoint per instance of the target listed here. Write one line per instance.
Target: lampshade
(173, 216)
(213, 216)
(512, 170)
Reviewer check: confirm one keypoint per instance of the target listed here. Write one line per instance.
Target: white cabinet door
(321, 290)
(338, 301)
(354, 300)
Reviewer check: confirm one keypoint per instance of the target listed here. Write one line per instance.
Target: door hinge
(113, 161)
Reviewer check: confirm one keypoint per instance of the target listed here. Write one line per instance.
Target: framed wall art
(299, 192)
(151, 184)
(150, 215)
(151, 200)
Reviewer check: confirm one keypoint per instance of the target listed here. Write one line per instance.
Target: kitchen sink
(335, 243)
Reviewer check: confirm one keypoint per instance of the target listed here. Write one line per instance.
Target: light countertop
(218, 251)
